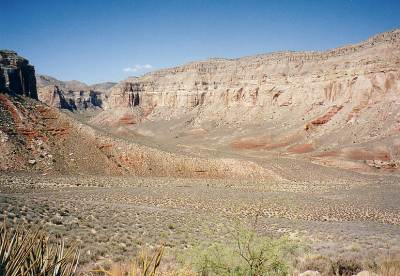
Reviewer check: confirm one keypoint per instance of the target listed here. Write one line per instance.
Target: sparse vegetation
(30, 253)
(195, 217)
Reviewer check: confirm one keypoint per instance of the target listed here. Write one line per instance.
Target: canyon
(71, 95)
(307, 143)
(336, 108)
(38, 138)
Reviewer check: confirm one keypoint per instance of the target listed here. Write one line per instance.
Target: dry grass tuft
(145, 264)
(318, 263)
(390, 267)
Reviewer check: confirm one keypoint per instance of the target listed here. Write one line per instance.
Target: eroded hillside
(41, 139)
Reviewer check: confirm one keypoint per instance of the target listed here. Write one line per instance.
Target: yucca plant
(147, 265)
(24, 252)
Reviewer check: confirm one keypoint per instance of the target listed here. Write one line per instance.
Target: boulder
(366, 273)
(310, 273)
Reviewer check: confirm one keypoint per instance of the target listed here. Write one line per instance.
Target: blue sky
(109, 40)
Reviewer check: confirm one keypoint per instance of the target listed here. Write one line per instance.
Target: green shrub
(247, 254)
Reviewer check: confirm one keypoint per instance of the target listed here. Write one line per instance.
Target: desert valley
(304, 145)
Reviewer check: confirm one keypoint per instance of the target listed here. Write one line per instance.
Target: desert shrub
(247, 254)
(30, 253)
(342, 265)
(347, 266)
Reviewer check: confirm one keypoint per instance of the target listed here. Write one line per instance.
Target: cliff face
(71, 95)
(268, 83)
(338, 107)
(17, 76)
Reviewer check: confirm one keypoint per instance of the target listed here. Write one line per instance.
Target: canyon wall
(17, 76)
(332, 107)
(267, 85)
(71, 95)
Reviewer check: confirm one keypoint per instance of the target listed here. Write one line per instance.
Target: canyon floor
(111, 217)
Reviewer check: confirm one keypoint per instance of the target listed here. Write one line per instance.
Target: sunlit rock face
(17, 76)
(258, 87)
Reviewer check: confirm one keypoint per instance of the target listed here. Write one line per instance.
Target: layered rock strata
(268, 83)
(17, 76)
(339, 107)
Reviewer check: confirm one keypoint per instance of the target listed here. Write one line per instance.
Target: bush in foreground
(247, 254)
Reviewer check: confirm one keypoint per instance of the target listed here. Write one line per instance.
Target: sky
(109, 40)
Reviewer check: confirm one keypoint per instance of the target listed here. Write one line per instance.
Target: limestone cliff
(268, 83)
(17, 76)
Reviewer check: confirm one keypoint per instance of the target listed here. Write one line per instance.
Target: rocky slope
(338, 108)
(17, 76)
(71, 95)
(38, 138)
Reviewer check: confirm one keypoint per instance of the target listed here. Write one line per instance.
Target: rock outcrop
(17, 76)
(71, 95)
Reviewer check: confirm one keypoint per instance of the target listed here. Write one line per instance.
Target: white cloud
(129, 69)
(138, 67)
